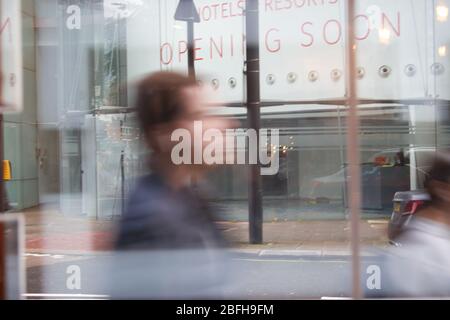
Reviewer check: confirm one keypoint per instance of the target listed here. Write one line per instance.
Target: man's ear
(151, 137)
(158, 137)
(441, 189)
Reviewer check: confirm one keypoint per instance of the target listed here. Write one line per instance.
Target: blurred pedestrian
(164, 210)
(167, 239)
(421, 265)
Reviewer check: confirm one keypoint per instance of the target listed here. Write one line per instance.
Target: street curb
(306, 257)
(259, 254)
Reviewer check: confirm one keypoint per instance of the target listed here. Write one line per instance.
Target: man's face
(197, 109)
(195, 112)
(441, 191)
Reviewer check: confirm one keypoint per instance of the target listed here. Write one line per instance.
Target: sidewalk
(47, 231)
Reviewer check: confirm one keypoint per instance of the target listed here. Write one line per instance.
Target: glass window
(78, 149)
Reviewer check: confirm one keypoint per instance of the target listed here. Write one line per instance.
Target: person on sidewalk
(167, 230)
(421, 266)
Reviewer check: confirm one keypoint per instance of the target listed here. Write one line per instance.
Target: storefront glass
(76, 149)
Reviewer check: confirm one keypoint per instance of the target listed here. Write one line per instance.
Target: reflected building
(81, 149)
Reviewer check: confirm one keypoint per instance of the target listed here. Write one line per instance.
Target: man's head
(169, 101)
(437, 182)
(160, 102)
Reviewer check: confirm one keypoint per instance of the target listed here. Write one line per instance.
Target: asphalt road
(247, 276)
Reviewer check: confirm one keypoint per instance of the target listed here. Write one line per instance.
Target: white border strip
(12, 56)
(62, 296)
(19, 219)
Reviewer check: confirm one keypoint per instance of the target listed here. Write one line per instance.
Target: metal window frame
(20, 220)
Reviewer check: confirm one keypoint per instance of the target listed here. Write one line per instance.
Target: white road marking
(293, 253)
(291, 261)
(65, 296)
(45, 255)
(378, 221)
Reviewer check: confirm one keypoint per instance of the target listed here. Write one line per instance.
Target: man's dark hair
(439, 171)
(159, 100)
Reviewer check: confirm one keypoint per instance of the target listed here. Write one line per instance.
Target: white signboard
(402, 47)
(10, 56)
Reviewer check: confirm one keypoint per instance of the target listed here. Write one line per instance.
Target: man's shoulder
(146, 186)
(147, 192)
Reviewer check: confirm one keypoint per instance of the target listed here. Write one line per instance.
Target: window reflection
(76, 150)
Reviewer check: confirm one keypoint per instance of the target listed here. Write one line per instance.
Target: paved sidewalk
(312, 252)
(47, 231)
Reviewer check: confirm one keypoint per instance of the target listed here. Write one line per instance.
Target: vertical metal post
(186, 11)
(2, 264)
(191, 69)
(254, 118)
(191, 53)
(2, 194)
(2, 209)
(122, 181)
(3, 203)
(353, 157)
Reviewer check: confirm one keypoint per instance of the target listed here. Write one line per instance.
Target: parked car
(416, 159)
(406, 205)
